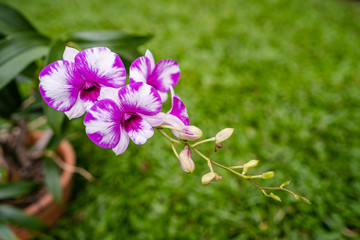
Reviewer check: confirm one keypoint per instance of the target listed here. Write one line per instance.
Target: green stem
(297, 196)
(205, 157)
(203, 141)
(170, 138)
(174, 150)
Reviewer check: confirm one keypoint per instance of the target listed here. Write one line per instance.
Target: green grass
(285, 74)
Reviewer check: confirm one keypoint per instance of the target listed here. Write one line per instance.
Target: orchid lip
(90, 91)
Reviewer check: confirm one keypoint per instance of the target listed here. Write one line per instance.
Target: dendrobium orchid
(110, 123)
(74, 84)
(162, 76)
(93, 81)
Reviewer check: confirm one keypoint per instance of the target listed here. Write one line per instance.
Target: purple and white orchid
(162, 76)
(177, 116)
(110, 123)
(74, 84)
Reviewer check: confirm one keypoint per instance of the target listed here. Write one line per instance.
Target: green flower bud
(268, 175)
(190, 133)
(250, 164)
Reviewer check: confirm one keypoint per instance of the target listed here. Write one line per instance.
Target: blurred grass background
(285, 74)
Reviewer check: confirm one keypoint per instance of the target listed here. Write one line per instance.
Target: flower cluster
(93, 82)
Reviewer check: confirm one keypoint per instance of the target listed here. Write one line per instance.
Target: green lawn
(284, 73)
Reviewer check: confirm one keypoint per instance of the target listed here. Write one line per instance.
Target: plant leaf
(10, 100)
(16, 189)
(52, 178)
(19, 218)
(56, 119)
(57, 49)
(12, 21)
(17, 43)
(115, 40)
(6, 233)
(15, 65)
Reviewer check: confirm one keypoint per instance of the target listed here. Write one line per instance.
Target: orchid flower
(162, 76)
(74, 84)
(110, 123)
(177, 116)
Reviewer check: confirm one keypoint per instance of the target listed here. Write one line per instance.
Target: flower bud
(223, 135)
(190, 133)
(209, 177)
(186, 163)
(250, 164)
(268, 175)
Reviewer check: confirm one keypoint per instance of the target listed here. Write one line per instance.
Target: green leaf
(10, 100)
(56, 119)
(57, 49)
(6, 233)
(115, 40)
(52, 178)
(15, 44)
(14, 66)
(16, 189)
(12, 21)
(19, 218)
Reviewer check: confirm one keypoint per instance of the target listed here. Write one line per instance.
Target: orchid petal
(149, 56)
(140, 70)
(163, 96)
(109, 93)
(138, 129)
(154, 120)
(140, 98)
(123, 143)
(165, 75)
(77, 110)
(69, 54)
(102, 66)
(102, 123)
(60, 84)
(178, 110)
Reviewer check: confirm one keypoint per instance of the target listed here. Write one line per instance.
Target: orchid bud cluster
(92, 82)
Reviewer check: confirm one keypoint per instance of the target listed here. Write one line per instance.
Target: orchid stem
(206, 158)
(168, 137)
(203, 141)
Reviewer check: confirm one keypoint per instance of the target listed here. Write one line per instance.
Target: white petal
(149, 55)
(123, 143)
(70, 53)
(77, 110)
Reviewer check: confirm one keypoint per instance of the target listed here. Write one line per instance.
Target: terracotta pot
(46, 208)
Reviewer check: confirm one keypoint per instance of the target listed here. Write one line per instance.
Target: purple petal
(123, 143)
(77, 110)
(60, 84)
(102, 66)
(102, 123)
(140, 70)
(149, 56)
(138, 129)
(178, 110)
(165, 75)
(69, 54)
(140, 98)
